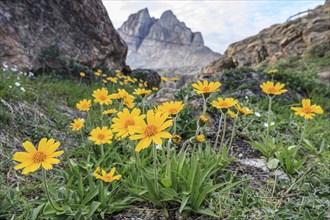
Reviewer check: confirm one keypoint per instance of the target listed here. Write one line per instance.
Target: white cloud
(221, 22)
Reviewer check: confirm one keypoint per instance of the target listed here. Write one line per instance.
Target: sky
(221, 22)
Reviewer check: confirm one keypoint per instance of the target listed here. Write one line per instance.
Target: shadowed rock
(81, 30)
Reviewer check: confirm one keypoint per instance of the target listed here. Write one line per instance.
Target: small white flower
(14, 69)
(246, 97)
(158, 146)
(10, 86)
(257, 114)
(17, 84)
(30, 74)
(266, 124)
(22, 89)
(5, 66)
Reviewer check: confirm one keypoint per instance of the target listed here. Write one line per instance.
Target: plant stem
(301, 137)
(232, 134)
(269, 113)
(101, 115)
(204, 105)
(174, 126)
(102, 150)
(154, 150)
(54, 206)
(224, 131)
(89, 119)
(218, 132)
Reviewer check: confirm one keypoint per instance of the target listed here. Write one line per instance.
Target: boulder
(150, 76)
(70, 30)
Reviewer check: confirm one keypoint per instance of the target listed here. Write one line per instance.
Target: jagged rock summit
(294, 37)
(80, 29)
(163, 43)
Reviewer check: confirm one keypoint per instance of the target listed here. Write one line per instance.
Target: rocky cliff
(163, 43)
(80, 29)
(294, 37)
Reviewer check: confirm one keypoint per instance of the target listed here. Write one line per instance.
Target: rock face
(163, 43)
(278, 41)
(80, 29)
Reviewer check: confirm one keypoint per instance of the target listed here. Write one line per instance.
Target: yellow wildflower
(307, 111)
(34, 158)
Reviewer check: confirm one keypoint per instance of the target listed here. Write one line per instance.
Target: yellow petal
(22, 156)
(33, 167)
(42, 143)
(52, 148)
(52, 161)
(28, 146)
(112, 171)
(56, 154)
(46, 165)
(144, 143)
(24, 164)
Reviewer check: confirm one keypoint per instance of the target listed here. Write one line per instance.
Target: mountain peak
(154, 43)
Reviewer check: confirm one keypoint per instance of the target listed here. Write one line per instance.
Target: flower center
(150, 130)
(107, 178)
(129, 122)
(39, 157)
(206, 89)
(307, 110)
(101, 137)
(173, 111)
(271, 90)
(102, 97)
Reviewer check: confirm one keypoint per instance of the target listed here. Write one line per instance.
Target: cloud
(221, 22)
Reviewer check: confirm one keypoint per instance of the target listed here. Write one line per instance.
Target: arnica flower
(125, 119)
(129, 102)
(200, 138)
(77, 124)
(164, 79)
(104, 75)
(141, 85)
(152, 131)
(176, 139)
(109, 111)
(84, 105)
(172, 108)
(175, 79)
(224, 103)
(97, 73)
(154, 89)
(117, 71)
(307, 111)
(205, 87)
(82, 74)
(142, 92)
(106, 177)
(272, 71)
(203, 118)
(243, 110)
(121, 94)
(113, 79)
(231, 114)
(271, 89)
(101, 135)
(34, 158)
(101, 96)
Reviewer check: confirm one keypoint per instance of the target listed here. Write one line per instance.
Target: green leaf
(36, 211)
(273, 163)
(92, 209)
(183, 203)
(206, 212)
(90, 196)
